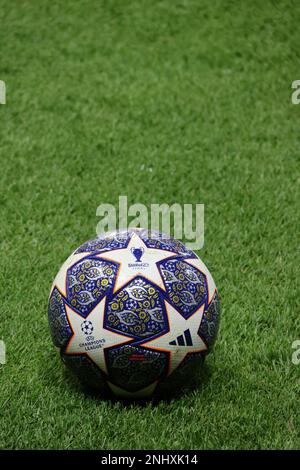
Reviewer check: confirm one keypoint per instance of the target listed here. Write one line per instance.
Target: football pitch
(164, 101)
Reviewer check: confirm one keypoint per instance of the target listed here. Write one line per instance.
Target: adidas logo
(183, 340)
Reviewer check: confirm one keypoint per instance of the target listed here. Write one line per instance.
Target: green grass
(199, 92)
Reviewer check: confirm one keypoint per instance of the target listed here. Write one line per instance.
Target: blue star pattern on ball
(88, 281)
(137, 310)
(129, 309)
(186, 285)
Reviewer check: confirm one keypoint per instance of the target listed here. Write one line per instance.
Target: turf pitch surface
(163, 101)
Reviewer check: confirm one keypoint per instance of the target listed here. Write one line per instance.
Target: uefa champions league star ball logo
(87, 327)
(137, 253)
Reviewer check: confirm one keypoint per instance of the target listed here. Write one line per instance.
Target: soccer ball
(134, 312)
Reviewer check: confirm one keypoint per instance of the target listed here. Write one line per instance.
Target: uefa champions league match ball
(133, 313)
